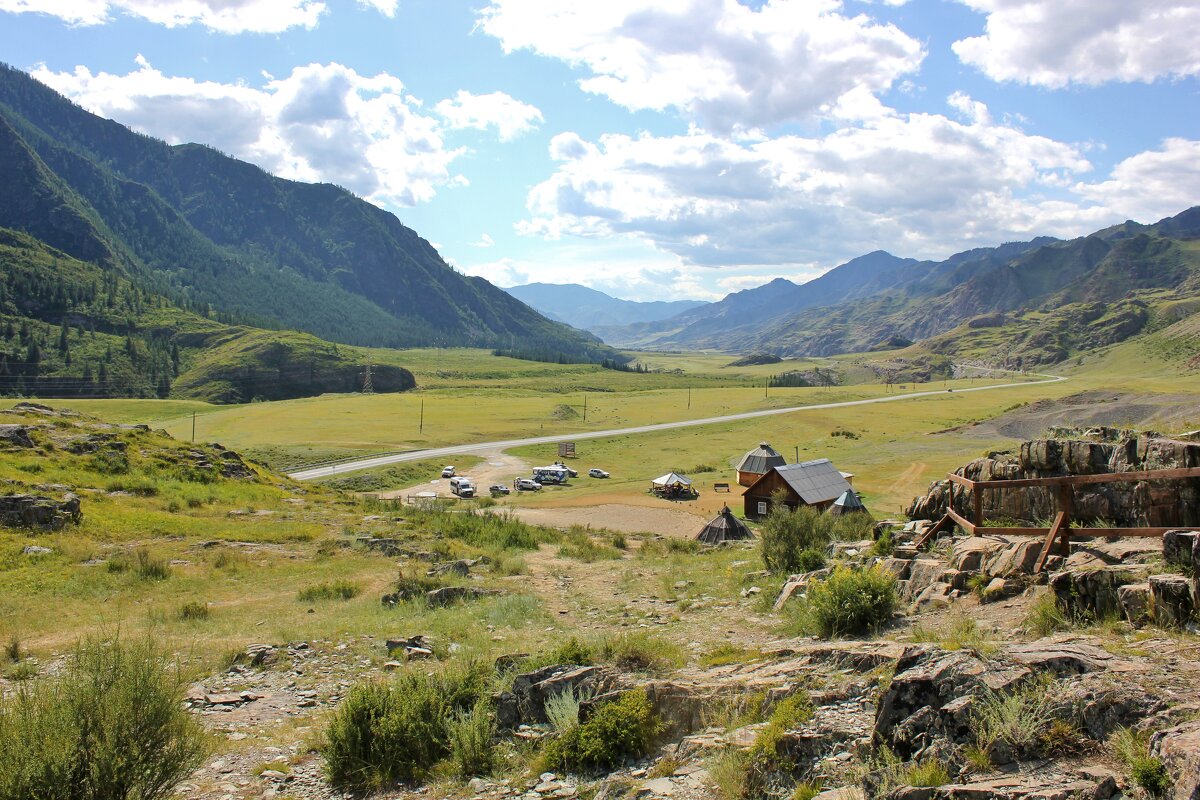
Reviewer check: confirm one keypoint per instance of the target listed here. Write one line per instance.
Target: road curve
(435, 452)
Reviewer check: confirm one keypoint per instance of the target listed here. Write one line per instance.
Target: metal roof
(760, 460)
(815, 481)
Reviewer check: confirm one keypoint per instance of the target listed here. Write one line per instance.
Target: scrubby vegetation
(110, 725)
(386, 732)
(617, 730)
(792, 541)
(852, 600)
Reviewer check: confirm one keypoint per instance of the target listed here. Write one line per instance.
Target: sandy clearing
(673, 522)
(496, 467)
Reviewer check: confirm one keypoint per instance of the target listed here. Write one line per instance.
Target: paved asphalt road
(436, 452)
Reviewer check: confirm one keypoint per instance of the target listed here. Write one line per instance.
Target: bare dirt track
(1167, 413)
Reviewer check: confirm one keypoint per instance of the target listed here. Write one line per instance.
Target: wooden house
(811, 483)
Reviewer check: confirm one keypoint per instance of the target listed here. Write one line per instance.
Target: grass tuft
(333, 590)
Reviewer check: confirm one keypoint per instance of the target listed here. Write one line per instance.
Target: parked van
(551, 474)
(462, 486)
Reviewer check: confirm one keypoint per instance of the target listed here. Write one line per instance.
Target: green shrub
(885, 545)
(624, 728)
(562, 710)
(852, 600)
(12, 650)
(149, 568)
(1132, 748)
(110, 725)
(787, 534)
(789, 714)
(641, 652)
(929, 773)
(810, 560)
(572, 651)
(727, 653)
(1046, 616)
(579, 545)
(192, 611)
(1019, 718)
(23, 671)
(470, 736)
(384, 733)
(333, 590)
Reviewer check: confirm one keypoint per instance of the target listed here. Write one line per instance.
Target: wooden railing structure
(1060, 528)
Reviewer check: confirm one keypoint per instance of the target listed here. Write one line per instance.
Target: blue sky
(657, 150)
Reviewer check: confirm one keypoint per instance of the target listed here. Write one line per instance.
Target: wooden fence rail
(1060, 528)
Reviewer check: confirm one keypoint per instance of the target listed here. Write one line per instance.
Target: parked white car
(527, 485)
(447, 472)
(596, 472)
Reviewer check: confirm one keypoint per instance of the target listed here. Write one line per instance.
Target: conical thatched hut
(724, 528)
(758, 462)
(848, 503)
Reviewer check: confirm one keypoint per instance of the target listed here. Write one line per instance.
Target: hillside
(186, 220)
(593, 310)
(1021, 303)
(69, 328)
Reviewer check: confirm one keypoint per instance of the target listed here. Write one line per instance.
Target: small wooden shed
(757, 462)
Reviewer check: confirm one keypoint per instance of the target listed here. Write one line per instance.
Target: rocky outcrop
(1179, 749)
(525, 703)
(15, 436)
(1148, 503)
(39, 513)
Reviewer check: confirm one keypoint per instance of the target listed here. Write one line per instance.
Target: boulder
(526, 702)
(924, 572)
(1172, 600)
(448, 595)
(1135, 603)
(15, 436)
(972, 553)
(1182, 549)
(934, 595)
(1091, 592)
(39, 513)
(1015, 558)
(919, 706)
(797, 584)
(897, 566)
(1179, 749)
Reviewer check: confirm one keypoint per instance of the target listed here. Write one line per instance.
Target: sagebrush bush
(1019, 719)
(333, 590)
(470, 735)
(641, 652)
(852, 600)
(110, 725)
(149, 568)
(384, 733)
(624, 728)
(787, 534)
(194, 611)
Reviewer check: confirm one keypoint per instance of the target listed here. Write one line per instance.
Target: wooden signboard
(566, 449)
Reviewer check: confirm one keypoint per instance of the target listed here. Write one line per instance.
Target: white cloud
(385, 7)
(502, 272)
(509, 116)
(1054, 43)
(324, 122)
(225, 16)
(719, 62)
(1151, 185)
(920, 185)
(484, 241)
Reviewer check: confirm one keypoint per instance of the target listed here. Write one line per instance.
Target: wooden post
(1066, 502)
(977, 504)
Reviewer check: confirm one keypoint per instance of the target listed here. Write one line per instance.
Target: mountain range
(1041, 300)
(132, 267)
(593, 310)
(190, 222)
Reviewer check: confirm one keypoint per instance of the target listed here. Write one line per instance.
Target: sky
(671, 149)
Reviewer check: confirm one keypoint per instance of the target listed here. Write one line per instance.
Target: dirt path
(674, 522)
(909, 476)
(496, 467)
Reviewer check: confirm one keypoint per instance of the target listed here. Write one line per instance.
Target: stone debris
(43, 514)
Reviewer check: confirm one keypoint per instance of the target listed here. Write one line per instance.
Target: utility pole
(689, 397)
(368, 387)
(585, 406)
(766, 384)
(421, 428)
(797, 461)
(193, 427)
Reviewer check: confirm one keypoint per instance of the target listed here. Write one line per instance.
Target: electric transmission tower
(368, 386)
